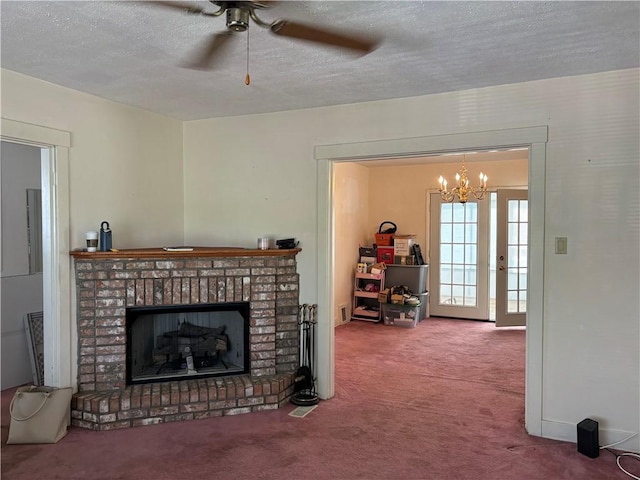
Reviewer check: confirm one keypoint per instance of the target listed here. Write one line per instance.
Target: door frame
(535, 138)
(59, 349)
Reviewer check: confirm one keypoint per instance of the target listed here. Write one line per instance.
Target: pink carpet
(444, 400)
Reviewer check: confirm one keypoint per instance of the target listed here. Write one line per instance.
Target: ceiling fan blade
(184, 6)
(301, 31)
(206, 56)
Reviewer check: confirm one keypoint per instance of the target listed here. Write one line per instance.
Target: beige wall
(351, 219)
(125, 164)
(399, 193)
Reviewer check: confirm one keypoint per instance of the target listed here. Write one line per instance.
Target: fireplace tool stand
(304, 388)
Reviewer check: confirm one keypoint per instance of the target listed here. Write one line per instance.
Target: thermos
(105, 237)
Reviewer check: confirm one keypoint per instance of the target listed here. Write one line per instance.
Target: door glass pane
(458, 294)
(470, 254)
(458, 253)
(471, 233)
(522, 256)
(458, 257)
(470, 296)
(512, 252)
(446, 215)
(512, 279)
(445, 253)
(445, 274)
(517, 229)
(524, 211)
(445, 233)
(470, 275)
(458, 212)
(522, 279)
(458, 232)
(512, 210)
(522, 304)
(445, 294)
(471, 214)
(512, 234)
(524, 229)
(458, 274)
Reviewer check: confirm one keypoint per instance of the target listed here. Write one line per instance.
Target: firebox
(176, 342)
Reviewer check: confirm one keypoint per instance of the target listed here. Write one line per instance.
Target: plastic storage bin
(413, 276)
(400, 315)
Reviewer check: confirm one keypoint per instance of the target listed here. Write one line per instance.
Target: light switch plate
(561, 245)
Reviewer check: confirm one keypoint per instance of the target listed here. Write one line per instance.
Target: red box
(385, 255)
(384, 239)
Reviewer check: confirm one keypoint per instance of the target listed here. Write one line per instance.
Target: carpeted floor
(442, 401)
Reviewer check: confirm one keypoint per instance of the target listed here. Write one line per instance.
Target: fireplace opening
(187, 341)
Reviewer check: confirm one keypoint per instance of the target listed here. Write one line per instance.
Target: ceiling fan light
(237, 19)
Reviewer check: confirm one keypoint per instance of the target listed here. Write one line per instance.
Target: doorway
(21, 267)
(59, 336)
(535, 139)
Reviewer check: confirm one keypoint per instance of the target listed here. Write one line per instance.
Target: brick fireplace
(107, 283)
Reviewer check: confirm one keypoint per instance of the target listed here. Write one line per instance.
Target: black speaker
(588, 438)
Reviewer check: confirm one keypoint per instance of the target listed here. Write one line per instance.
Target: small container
(105, 237)
(263, 243)
(92, 241)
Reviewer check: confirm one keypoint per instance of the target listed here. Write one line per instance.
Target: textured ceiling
(131, 52)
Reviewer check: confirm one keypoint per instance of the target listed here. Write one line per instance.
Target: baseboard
(568, 432)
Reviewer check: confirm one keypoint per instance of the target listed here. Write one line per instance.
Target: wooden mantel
(200, 252)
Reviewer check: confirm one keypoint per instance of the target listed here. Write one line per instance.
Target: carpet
(441, 401)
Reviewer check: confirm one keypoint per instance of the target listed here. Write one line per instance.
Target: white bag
(39, 414)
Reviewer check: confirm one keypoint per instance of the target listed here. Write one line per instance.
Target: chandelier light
(463, 190)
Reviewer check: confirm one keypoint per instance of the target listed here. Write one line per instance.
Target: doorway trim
(535, 139)
(59, 348)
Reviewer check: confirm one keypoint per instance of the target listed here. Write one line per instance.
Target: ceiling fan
(238, 17)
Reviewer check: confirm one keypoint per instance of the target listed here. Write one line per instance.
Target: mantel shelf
(200, 252)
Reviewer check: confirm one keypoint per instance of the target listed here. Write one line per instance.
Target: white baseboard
(568, 433)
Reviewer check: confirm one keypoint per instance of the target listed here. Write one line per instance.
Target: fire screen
(184, 341)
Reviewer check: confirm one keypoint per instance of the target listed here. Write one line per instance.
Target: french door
(512, 254)
(459, 238)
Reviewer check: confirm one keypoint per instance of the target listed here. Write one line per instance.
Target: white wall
(351, 201)
(20, 292)
(255, 173)
(252, 176)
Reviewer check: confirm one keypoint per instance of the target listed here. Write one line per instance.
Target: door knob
(501, 268)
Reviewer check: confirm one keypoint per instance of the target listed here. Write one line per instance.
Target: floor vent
(343, 313)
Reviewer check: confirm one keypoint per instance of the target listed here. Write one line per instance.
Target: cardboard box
(402, 260)
(383, 296)
(403, 245)
(397, 299)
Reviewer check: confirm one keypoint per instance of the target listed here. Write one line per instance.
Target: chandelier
(463, 190)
